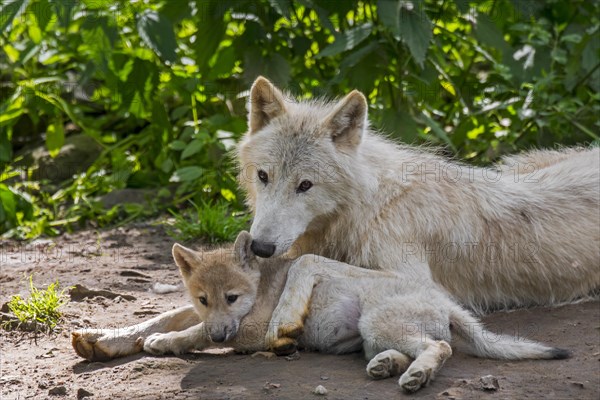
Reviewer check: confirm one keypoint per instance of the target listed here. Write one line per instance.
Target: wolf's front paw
(415, 378)
(104, 344)
(387, 363)
(164, 343)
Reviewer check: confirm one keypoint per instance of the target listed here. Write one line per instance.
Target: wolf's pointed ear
(348, 120)
(184, 258)
(266, 103)
(243, 252)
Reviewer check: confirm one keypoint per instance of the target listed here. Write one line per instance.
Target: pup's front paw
(164, 343)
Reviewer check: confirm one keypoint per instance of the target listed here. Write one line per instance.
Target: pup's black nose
(218, 337)
(261, 249)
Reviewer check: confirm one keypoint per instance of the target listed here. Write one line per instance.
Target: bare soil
(130, 260)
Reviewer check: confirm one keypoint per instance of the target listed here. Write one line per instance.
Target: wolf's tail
(483, 343)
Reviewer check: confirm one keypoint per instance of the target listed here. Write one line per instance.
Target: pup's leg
(388, 363)
(178, 342)
(399, 335)
(429, 355)
(106, 344)
(287, 320)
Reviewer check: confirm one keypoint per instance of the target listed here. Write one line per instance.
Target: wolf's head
(222, 284)
(297, 163)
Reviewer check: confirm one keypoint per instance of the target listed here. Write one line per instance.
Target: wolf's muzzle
(261, 249)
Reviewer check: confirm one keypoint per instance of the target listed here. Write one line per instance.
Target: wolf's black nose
(261, 249)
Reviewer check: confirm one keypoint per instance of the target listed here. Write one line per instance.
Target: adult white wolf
(320, 181)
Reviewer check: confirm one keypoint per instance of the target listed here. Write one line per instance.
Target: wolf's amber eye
(304, 186)
(232, 298)
(202, 300)
(263, 176)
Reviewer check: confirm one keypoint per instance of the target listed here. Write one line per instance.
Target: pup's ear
(348, 120)
(243, 252)
(266, 103)
(185, 259)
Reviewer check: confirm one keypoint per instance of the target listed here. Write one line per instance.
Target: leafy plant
(160, 88)
(215, 223)
(41, 309)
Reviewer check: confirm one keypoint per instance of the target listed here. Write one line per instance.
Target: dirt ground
(130, 260)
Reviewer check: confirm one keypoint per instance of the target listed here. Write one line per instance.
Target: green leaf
(8, 205)
(97, 4)
(408, 22)
(192, 148)
(5, 146)
(387, 10)
(64, 11)
(9, 11)
(42, 12)
(209, 35)
(55, 137)
(347, 40)
(571, 38)
(224, 63)
(177, 145)
(559, 55)
(187, 174)
(157, 32)
(487, 32)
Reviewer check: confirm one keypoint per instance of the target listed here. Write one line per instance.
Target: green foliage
(161, 86)
(214, 223)
(41, 309)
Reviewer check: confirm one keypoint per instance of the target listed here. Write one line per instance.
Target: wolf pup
(323, 304)
(320, 181)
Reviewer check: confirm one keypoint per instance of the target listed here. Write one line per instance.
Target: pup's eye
(304, 186)
(232, 298)
(263, 176)
(202, 300)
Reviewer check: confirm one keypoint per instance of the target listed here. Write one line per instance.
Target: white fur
(523, 233)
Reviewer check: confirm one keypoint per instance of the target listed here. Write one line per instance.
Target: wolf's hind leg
(106, 344)
(388, 363)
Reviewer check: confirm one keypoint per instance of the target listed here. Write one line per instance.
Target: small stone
(270, 385)
(578, 384)
(324, 378)
(58, 391)
(82, 393)
(489, 382)
(293, 357)
(320, 390)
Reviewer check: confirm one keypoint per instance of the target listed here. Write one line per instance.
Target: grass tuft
(40, 312)
(215, 223)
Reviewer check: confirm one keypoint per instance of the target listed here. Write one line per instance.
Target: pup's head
(222, 284)
(298, 163)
